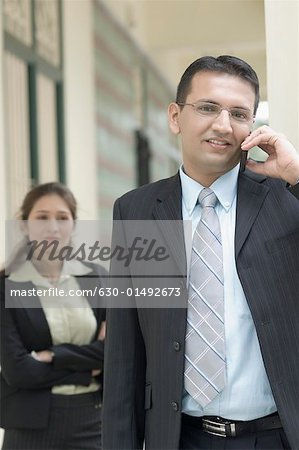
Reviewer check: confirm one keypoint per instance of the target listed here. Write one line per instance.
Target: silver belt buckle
(221, 427)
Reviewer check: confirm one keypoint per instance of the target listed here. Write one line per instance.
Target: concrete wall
(282, 39)
(2, 149)
(79, 101)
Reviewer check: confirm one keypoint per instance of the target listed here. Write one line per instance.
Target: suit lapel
(250, 198)
(169, 209)
(36, 316)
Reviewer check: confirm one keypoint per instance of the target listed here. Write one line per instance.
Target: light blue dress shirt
(247, 394)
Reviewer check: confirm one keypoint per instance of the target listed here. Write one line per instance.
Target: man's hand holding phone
(283, 159)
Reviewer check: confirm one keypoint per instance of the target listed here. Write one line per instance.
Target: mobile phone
(243, 160)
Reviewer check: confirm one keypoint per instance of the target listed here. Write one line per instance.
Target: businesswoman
(52, 347)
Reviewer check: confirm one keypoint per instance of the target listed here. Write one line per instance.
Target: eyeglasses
(207, 109)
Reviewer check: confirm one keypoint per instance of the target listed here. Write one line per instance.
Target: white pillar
(282, 43)
(79, 101)
(3, 208)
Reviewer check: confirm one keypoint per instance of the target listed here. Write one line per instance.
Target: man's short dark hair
(224, 64)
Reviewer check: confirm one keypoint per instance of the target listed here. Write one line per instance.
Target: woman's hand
(43, 356)
(101, 337)
(102, 332)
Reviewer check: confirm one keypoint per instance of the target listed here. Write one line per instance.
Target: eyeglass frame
(221, 108)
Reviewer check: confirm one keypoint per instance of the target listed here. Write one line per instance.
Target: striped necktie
(205, 351)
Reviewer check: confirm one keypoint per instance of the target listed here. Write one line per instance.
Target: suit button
(176, 346)
(175, 406)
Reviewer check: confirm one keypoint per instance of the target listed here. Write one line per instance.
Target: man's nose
(222, 122)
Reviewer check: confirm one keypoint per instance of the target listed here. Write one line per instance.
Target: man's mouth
(218, 143)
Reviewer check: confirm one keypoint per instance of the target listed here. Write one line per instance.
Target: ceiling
(176, 32)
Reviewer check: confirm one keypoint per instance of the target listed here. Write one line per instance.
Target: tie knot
(207, 198)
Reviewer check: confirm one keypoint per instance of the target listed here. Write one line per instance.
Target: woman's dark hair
(224, 64)
(47, 189)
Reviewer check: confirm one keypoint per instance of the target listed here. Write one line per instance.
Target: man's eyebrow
(219, 104)
(208, 101)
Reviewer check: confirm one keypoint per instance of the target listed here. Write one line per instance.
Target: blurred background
(85, 85)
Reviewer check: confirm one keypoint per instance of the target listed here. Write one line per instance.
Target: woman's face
(50, 220)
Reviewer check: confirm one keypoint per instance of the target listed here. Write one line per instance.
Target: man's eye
(206, 108)
(241, 115)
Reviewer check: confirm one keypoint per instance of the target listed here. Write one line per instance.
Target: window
(33, 95)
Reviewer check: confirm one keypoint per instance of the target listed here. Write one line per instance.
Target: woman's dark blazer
(26, 383)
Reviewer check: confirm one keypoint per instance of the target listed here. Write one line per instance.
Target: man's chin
(221, 164)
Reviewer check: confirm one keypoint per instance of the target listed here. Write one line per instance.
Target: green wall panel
(117, 62)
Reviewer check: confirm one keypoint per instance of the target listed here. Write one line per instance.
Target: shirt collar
(225, 188)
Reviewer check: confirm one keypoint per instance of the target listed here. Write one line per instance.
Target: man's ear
(173, 118)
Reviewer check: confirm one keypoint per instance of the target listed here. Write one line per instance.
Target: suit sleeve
(79, 357)
(20, 369)
(124, 369)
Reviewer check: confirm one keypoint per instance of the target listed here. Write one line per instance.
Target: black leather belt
(232, 428)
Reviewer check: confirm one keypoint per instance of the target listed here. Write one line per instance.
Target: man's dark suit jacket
(25, 384)
(144, 350)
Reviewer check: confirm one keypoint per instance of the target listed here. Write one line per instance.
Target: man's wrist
(294, 183)
(293, 172)
(294, 189)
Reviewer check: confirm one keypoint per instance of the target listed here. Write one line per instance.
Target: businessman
(220, 370)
